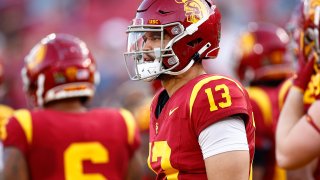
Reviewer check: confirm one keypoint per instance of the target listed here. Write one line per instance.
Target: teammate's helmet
(261, 53)
(294, 29)
(194, 29)
(311, 25)
(60, 66)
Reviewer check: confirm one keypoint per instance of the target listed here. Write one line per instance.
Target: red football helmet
(193, 28)
(262, 54)
(309, 41)
(60, 66)
(294, 29)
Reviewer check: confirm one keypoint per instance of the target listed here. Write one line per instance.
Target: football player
(264, 64)
(201, 124)
(5, 112)
(298, 132)
(60, 138)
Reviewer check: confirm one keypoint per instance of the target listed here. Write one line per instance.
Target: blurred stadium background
(102, 25)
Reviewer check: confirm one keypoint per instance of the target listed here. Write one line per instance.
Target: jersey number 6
(77, 152)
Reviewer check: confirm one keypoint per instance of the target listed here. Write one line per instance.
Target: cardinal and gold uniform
(174, 151)
(94, 145)
(267, 102)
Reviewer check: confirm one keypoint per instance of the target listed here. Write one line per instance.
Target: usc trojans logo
(194, 9)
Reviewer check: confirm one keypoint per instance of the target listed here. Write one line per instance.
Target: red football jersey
(174, 151)
(97, 144)
(312, 92)
(266, 103)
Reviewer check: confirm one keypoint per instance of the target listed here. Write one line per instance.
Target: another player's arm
(15, 166)
(17, 136)
(294, 132)
(135, 167)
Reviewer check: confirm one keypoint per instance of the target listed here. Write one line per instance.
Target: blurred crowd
(102, 25)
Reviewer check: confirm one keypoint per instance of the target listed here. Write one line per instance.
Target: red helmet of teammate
(261, 54)
(310, 37)
(194, 30)
(294, 29)
(60, 66)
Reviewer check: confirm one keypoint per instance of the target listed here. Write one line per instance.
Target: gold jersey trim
(263, 101)
(23, 116)
(130, 123)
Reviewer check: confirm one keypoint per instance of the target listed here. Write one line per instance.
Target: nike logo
(172, 111)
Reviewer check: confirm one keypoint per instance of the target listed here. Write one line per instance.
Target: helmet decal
(194, 10)
(154, 21)
(247, 43)
(71, 73)
(59, 78)
(36, 56)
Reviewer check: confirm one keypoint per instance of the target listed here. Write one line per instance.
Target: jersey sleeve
(215, 98)
(18, 131)
(5, 113)
(133, 135)
(263, 115)
(260, 125)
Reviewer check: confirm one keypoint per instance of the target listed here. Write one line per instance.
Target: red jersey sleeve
(215, 98)
(18, 132)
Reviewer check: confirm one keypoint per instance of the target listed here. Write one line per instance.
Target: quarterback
(201, 124)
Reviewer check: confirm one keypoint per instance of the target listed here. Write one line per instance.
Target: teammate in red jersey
(263, 65)
(61, 138)
(201, 125)
(5, 111)
(298, 134)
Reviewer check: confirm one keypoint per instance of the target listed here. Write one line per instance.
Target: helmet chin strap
(149, 79)
(182, 70)
(201, 51)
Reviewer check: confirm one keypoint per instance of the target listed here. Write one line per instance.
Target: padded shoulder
(23, 116)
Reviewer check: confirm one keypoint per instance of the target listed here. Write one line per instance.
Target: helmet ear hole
(194, 42)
